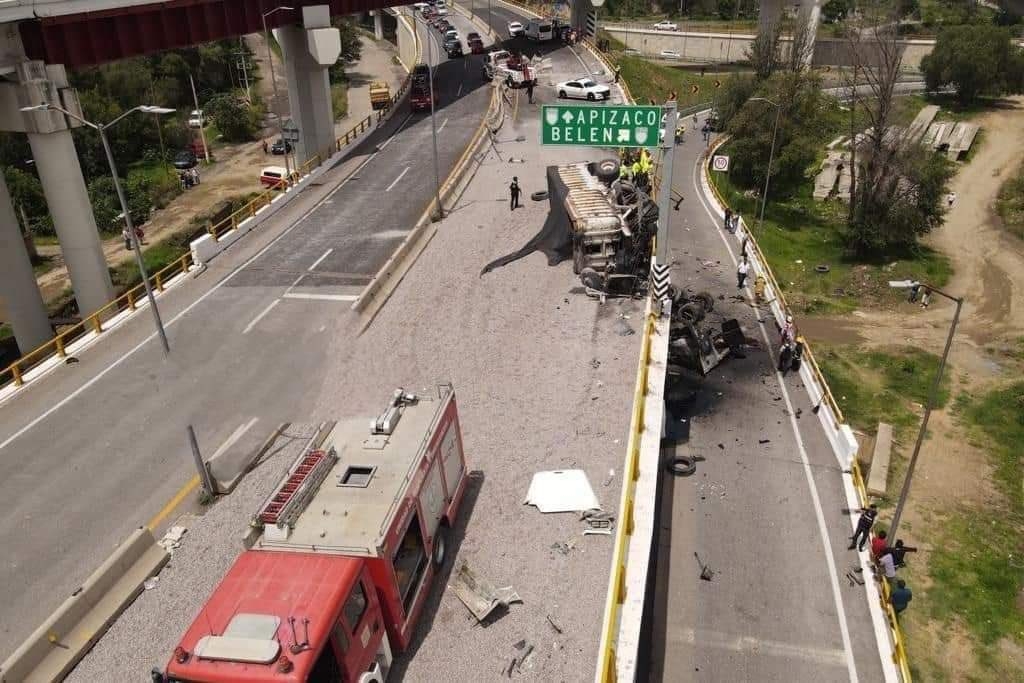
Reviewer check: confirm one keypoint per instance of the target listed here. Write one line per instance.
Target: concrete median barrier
(64, 638)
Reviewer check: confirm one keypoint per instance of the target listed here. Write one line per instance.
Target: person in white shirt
(888, 565)
(741, 272)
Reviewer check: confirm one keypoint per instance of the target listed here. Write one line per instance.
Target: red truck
(351, 540)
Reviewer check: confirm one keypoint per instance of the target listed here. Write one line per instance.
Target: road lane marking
(260, 315)
(395, 181)
(102, 373)
(321, 297)
(750, 645)
(851, 666)
(174, 502)
(320, 260)
(235, 436)
(395, 134)
(443, 124)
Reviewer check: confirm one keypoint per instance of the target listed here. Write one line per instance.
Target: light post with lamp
(771, 155)
(136, 245)
(273, 82)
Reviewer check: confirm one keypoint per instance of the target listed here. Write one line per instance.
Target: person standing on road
(864, 524)
(741, 272)
(728, 219)
(513, 191)
(695, 121)
(618, 73)
(926, 297)
(529, 91)
(266, 148)
(900, 596)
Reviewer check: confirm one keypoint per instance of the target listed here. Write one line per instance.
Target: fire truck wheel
(440, 545)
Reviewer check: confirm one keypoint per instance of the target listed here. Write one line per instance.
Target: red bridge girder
(77, 40)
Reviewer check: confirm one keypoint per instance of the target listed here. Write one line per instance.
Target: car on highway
(281, 147)
(419, 96)
(451, 33)
(476, 45)
(185, 159)
(420, 73)
(441, 11)
(665, 26)
(583, 89)
(515, 29)
(453, 48)
(420, 6)
(473, 35)
(669, 54)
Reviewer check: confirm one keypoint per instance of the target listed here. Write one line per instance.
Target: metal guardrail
(898, 639)
(94, 322)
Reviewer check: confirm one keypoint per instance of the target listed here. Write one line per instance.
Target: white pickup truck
(513, 69)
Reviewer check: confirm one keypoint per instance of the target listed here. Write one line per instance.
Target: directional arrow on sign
(567, 117)
(718, 83)
(694, 89)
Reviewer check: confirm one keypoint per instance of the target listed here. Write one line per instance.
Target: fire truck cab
(351, 539)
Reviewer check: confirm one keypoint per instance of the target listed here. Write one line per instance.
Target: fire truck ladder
(297, 488)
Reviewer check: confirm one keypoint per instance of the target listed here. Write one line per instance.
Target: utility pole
(243, 66)
(665, 195)
(202, 118)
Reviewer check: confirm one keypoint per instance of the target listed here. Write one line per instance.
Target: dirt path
(237, 166)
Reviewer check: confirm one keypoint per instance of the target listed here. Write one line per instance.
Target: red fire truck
(350, 542)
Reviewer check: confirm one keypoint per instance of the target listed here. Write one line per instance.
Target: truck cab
(540, 30)
(352, 538)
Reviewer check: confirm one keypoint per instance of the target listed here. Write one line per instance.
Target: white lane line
(851, 666)
(395, 134)
(259, 316)
(395, 181)
(320, 260)
(102, 373)
(443, 124)
(750, 645)
(235, 435)
(321, 297)
(459, 93)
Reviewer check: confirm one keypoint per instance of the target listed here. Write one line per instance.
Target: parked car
(273, 177)
(665, 26)
(195, 119)
(185, 159)
(515, 29)
(583, 89)
(281, 147)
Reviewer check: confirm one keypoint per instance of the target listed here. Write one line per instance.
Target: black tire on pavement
(681, 465)
(706, 300)
(539, 195)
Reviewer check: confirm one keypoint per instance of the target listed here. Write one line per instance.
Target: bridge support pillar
(22, 302)
(378, 24)
(309, 50)
(53, 150)
(808, 18)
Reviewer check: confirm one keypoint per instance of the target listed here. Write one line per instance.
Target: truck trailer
(348, 546)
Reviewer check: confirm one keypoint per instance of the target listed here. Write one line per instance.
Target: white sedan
(515, 29)
(583, 89)
(666, 26)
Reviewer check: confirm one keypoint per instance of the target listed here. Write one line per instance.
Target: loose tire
(706, 300)
(539, 195)
(681, 465)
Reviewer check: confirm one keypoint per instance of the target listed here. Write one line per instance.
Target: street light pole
(898, 514)
(771, 156)
(134, 239)
(433, 121)
(273, 82)
(202, 119)
(665, 193)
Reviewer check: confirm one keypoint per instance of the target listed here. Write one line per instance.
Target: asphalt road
(97, 449)
(765, 510)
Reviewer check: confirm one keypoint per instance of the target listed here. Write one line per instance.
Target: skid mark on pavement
(749, 645)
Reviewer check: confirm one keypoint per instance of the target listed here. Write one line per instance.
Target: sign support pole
(665, 194)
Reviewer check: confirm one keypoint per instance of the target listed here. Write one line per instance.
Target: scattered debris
(722, 446)
(854, 579)
(553, 624)
(598, 519)
(595, 363)
(564, 548)
(150, 583)
(764, 441)
(479, 595)
(597, 532)
(611, 475)
(706, 573)
(171, 540)
(561, 491)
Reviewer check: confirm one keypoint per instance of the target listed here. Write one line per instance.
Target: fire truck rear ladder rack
(299, 484)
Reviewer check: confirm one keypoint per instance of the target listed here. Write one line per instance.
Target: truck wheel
(706, 300)
(578, 262)
(440, 545)
(561, 95)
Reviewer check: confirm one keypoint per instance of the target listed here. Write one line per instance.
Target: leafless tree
(765, 54)
(801, 48)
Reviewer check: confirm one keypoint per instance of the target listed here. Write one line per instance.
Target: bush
(235, 121)
(976, 60)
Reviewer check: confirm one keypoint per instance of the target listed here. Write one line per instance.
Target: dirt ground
(988, 266)
(237, 166)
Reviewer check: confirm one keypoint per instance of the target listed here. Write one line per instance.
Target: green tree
(727, 9)
(805, 122)
(235, 121)
(735, 93)
(29, 201)
(976, 60)
(835, 10)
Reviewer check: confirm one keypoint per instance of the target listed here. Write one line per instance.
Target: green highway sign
(600, 126)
